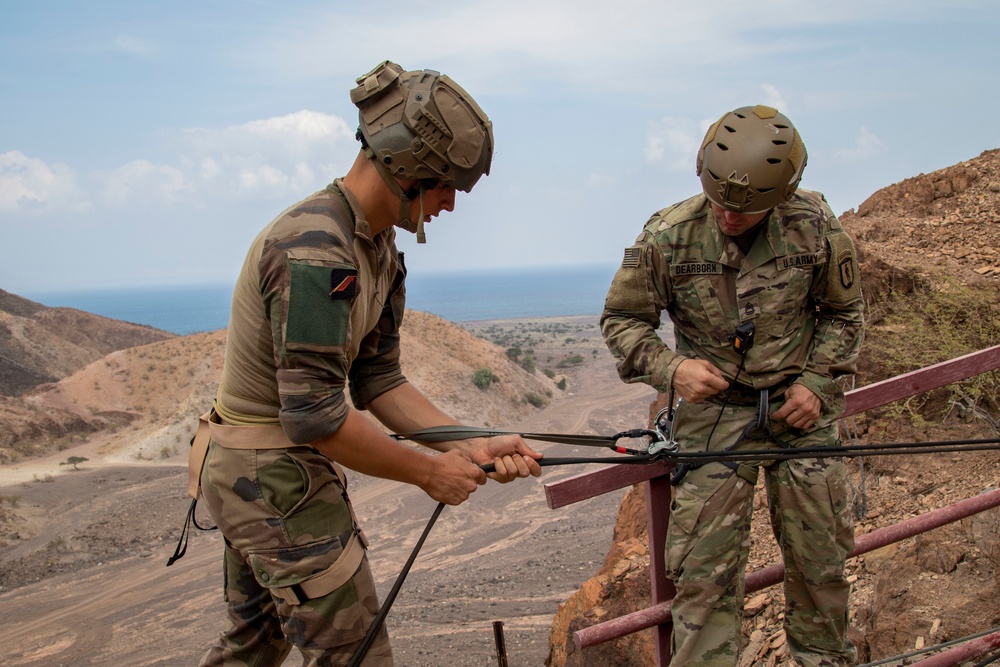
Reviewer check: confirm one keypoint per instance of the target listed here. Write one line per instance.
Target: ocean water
(464, 296)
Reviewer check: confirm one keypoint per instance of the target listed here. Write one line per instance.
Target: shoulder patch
(843, 279)
(633, 255)
(343, 283)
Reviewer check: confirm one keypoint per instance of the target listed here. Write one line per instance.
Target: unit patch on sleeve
(343, 283)
(842, 280)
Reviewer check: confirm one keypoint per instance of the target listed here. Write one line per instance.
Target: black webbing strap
(458, 432)
(182, 542)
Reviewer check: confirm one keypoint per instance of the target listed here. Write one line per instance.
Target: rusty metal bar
(918, 381)
(768, 576)
(592, 484)
(957, 655)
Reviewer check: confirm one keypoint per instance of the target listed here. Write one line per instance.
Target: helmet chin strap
(404, 200)
(421, 237)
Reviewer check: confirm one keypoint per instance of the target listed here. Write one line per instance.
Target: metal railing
(657, 479)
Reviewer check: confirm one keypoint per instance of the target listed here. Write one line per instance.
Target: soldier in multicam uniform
(317, 309)
(752, 255)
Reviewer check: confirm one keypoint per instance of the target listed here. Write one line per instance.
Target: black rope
(447, 433)
(366, 643)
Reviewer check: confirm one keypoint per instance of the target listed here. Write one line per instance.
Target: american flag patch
(632, 256)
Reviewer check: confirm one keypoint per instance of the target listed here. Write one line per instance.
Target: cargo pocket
(288, 566)
(685, 509)
(330, 617)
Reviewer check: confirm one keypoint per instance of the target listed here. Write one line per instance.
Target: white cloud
(566, 43)
(773, 98)
(272, 157)
(29, 184)
(866, 145)
(141, 181)
(675, 141)
(283, 156)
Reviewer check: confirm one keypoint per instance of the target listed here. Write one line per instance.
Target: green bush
(575, 360)
(534, 399)
(483, 378)
(528, 363)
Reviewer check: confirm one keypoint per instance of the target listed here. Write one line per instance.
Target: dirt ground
(82, 553)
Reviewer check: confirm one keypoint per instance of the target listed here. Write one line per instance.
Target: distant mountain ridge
(39, 344)
(66, 374)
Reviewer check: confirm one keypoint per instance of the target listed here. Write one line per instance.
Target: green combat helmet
(751, 160)
(421, 125)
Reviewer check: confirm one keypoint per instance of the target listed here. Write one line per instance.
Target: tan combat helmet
(421, 125)
(751, 160)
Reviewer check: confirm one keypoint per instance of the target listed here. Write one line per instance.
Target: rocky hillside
(40, 344)
(931, 277)
(147, 398)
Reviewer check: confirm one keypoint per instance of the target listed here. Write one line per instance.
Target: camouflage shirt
(317, 306)
(798, 283)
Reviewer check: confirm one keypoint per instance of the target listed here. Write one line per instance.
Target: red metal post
(658, 498)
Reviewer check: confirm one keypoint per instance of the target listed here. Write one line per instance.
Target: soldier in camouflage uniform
(316, 310)
(753, 248)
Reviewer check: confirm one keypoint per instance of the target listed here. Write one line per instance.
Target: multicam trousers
(285, 516)
(708, 541)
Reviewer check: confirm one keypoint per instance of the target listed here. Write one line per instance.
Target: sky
(146, 144)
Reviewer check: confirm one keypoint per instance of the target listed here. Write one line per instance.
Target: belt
(741, 394)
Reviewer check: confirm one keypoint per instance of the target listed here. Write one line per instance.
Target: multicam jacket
(317, 306)
(798, 283)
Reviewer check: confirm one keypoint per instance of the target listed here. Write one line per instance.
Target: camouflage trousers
(708, 541)
(285, 516)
